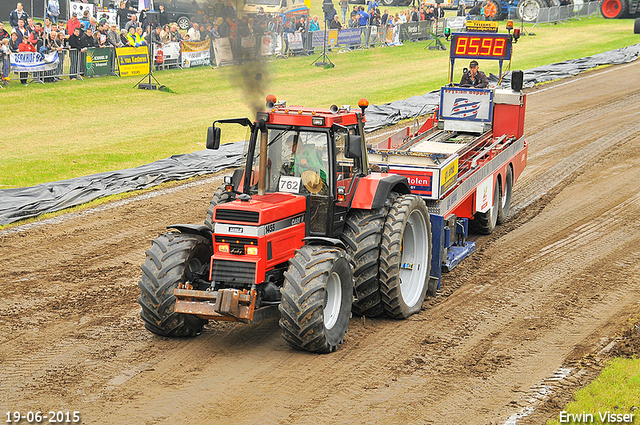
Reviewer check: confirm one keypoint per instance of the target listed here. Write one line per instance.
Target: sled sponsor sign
(98, 61)
(466, 104)
(423, 182)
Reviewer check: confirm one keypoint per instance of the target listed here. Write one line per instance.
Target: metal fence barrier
(564, 13)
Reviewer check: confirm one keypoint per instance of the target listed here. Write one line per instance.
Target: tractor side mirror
(213, 138)
(353, 146)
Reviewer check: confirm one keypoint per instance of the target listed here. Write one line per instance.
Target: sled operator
(474, 77)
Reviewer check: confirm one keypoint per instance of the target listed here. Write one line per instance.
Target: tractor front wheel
(173, 258)
(316, 299)
(405, 257)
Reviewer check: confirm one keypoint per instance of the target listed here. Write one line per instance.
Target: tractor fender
(373, 190)
(321, 240)
(193, 229)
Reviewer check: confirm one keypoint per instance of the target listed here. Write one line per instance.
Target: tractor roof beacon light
(509, 25)
(271, 101)
(516, 34)
(363, 104)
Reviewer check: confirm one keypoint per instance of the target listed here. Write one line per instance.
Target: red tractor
(317, 224)
(296, 234)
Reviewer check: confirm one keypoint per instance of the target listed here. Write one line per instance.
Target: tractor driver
(306, 158)
(474, 77)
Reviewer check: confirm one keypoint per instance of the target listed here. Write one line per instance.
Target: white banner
(295, 41)
(222, 50)
(79, 8)
(469, 104)
(34, 62)
(195, 53)
(266, 45)
(171, 50)
(109, 16)
(484, 195)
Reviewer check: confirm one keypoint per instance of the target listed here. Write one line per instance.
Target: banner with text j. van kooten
(133, 60)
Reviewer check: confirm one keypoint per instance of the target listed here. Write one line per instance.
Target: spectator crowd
(134, 28)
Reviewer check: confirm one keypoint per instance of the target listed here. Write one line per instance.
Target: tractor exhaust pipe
(262, 175)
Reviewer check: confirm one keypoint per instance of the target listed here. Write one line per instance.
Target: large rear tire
(220, 197)
(405, 257)
(316, 299)
(485, 223)
(506, 189)
(636, 26)
(173, 258)
(528, 10)
(614, 9)
(362, 234)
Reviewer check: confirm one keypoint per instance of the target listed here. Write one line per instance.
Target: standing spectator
(77, 57)
(385, 16)
(165, 34)
(415, 17)
(21, 30)
(18, 13)
(73, 23)
(261, 15)
(14, 44)
(175, 33)
(194, 32)
(217, 10)
(163, 19)
(461, 7)
(373, 5)
(122, 15)
(53, 10)
(206, 32)
(124, 40)
(344, 7)
(363, 17)
(25, 46)
(490, 10)
(314, 25)
(225, 28)
(354, 22)
(155, 39)
(36, 38)
(3, 33)
(85, 18)
(87, 39)
(230, 11)
(93, 24)
(133, 23)
(335, 24)
(31, 26)
(5, 61)
(47, 26)
(113, 37)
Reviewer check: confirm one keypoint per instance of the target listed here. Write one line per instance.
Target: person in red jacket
(25, 46)
(73, 23)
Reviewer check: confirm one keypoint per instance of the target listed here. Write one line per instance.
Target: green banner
(98, 61)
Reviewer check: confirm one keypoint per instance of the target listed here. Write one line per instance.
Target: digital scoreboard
(480, 46)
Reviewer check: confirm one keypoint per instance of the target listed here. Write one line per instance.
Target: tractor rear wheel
(485, 223)
(405, 257)
(362, 234)
(528, 10)
(316, 299)
(505, 196)
(636, 26)
(614, 9)
(173, 258)
(220, 197)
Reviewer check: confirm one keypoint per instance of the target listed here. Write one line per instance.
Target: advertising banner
(222, 50)
(415, 30)
(196, 53)
(267, 46)
(482, 26)
(133, 60)
(111, 17)
(349, 36)
(466, 104)
(79, 8)
(34, 62)
(171, 51)
(98, 61)
(295, 41)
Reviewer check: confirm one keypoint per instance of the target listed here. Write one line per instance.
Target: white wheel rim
(333, 300)
(413, 267)
(529, 10)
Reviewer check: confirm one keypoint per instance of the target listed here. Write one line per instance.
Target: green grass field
(72, 128)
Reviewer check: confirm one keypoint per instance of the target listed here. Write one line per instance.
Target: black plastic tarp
(21, 203)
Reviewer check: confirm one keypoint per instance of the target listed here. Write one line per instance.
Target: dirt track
(541, 297)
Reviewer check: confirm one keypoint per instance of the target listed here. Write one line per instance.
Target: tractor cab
(314, 153)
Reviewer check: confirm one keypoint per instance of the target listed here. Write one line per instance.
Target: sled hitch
(225, 304)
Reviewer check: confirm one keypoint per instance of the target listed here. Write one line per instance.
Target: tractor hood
(261, 209)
